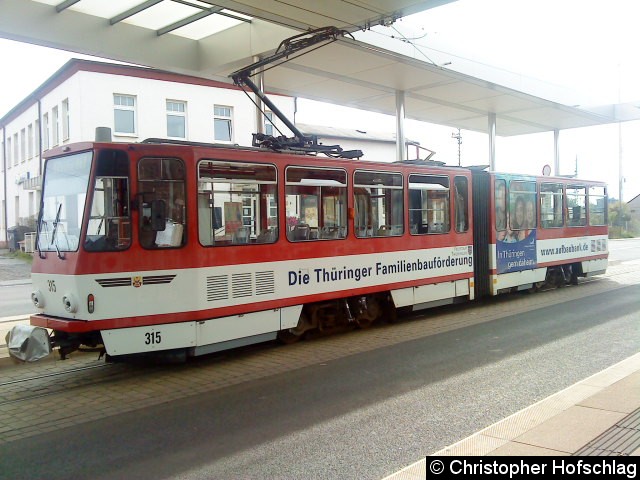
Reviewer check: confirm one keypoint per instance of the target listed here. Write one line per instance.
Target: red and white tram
(152, 246)
(195, 248)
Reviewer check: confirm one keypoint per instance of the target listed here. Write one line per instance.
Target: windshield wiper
(56, 222)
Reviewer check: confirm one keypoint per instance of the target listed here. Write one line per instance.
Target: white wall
(151, 95)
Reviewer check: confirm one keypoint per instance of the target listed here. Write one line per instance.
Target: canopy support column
(401, 152)
(556, 152)
(492, 141)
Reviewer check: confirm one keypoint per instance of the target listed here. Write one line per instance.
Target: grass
(26, 257)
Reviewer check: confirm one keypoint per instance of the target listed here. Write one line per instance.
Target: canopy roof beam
(198, 16)
(66, 4)
(133, 11)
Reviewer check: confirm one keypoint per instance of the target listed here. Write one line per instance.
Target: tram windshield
(64, 193)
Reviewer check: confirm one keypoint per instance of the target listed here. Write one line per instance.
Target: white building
(376, 146)
(136, 103)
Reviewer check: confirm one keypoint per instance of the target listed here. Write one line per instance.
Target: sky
(584, 49)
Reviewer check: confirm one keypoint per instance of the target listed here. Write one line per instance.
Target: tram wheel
(288, 337)
(364, 321)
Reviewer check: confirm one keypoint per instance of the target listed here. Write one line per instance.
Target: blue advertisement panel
(516, 204)
(518, 255)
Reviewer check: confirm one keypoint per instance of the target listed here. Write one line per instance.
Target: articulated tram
(194, 248)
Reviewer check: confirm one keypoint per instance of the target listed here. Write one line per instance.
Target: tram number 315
(152, 338)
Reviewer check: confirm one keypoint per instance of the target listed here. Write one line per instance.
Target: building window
(32, 204)
(30, 141)
(23, 145)
(8, 153)
(55, 133)
(65, 119)
(16, 149)
(16, 210)
(55, 139)
(124, 111)
(36, 138)
(268, 123)
(222, 123)
(45, 131)
(176, 119)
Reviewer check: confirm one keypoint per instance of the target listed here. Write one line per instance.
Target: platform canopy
(212, 38)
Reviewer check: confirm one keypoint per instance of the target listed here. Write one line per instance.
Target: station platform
(598, 416)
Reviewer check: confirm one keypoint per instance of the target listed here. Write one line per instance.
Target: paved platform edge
(560, 424)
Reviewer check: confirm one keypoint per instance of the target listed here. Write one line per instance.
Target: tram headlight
(37, 298)
(70, 303)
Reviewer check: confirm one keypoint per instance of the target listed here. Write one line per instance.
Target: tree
(620, 221)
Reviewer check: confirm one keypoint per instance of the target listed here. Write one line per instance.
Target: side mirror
(158, 215)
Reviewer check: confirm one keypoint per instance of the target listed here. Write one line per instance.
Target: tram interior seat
(241, 235)
(575, 216)
(300, 232)
(267, 236)
(438, 227)
(384, 231)
(171, 236)
(329, 232)
(368, 231)
(397, 230)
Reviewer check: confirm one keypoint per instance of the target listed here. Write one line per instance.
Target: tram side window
(161, 190)
(429, 204)
(379, 204)
(316, 203)
(598, 205)
(551, 201)
(462, 204)
(237, 203)
(576, 205)
(523, 217)
(501, 205)
(109, 225)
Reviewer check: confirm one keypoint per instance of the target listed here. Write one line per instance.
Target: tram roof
(211, 40)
